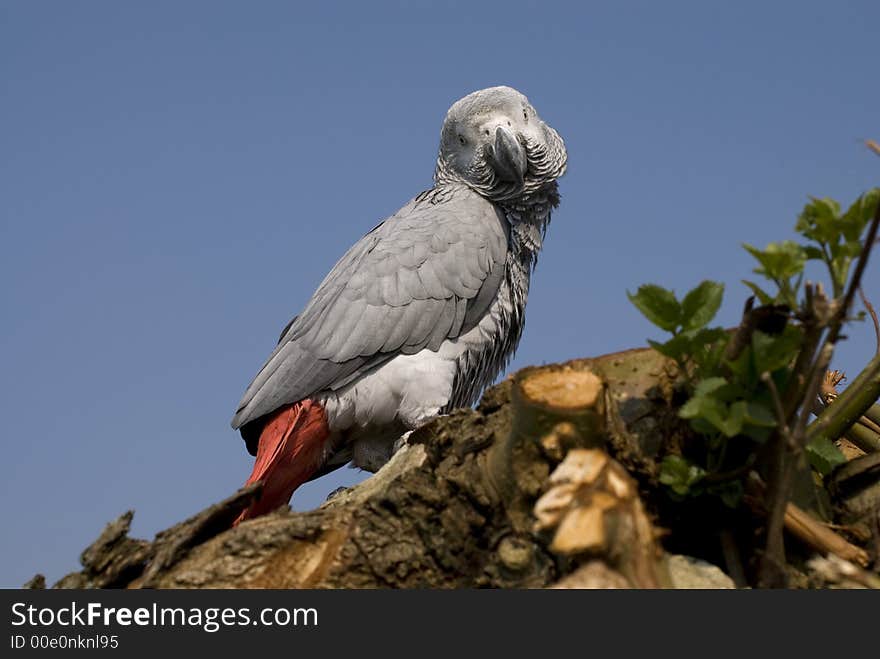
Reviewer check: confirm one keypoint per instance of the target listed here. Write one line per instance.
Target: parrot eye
(461, 140)
(525, 114)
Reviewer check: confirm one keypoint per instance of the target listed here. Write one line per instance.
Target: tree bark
(541, 484)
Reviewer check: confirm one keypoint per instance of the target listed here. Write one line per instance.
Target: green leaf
(757, 433)
(658, 305)
(701, 345)
(677, 348)
(772, 352)
(859, 214)
(715, 412)
(712, 335)
(703, 427)
(673, 348)
(848, 249)
(779, 261)
(692, 409)
(824, 455)
(840, 272)
(820, 220)
(754, 251)
(813, 253)
(705, 407)
(758, 414)
(730, 493)
(842, 257)
(701, 304)
(743, 367)
(708, 406)
(679, 474)
(760, 293)
(759, 421)
(707, 349)
(708, 386)
(732, 424)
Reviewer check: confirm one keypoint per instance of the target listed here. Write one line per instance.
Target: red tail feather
(290, 450)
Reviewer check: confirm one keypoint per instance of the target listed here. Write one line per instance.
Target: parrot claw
(401, 441)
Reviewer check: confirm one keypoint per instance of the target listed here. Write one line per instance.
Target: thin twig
(714, 477)
(799, 433)
(812, 324)
(856, 281)
(777, 407)
(790, 440)
(733, 559)
(772, 571)
(871, 144)
(816, 534)
(873, 315)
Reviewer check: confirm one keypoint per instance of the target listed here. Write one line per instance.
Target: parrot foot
(403, 440)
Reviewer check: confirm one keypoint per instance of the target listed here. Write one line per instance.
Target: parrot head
(494, 141)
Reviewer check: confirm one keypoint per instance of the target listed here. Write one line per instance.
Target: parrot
(420, 315)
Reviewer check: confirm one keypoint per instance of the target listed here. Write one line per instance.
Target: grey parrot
(420, 315)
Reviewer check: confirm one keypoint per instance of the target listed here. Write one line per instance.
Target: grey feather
(426, 274)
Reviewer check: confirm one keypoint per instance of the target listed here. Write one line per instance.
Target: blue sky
(178, 177)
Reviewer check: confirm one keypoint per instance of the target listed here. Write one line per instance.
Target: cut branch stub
(864, 437)
(816, 534)
(844, 411)
(594, 511)
(544, 397)
(856, 486)
(112, 559)
(554, 408)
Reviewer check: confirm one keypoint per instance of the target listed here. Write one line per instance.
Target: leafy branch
(750, 392)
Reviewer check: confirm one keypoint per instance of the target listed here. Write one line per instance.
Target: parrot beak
(508, 157)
